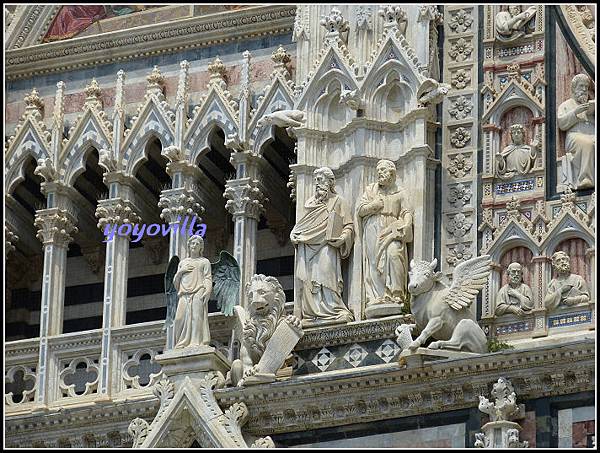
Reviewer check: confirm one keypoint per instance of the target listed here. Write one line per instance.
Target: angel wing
(226, 282)
(468, 278)
(170, 290)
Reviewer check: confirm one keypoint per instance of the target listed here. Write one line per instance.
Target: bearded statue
(257, 325)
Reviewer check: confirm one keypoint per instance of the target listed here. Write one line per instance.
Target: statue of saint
(516, 158)
(385, 226)
(576, 118)
(511, 24)
(322, 237)
(566, 288)
(193, 282)
(515, 297)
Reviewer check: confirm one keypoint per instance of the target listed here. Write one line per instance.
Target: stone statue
(517, 158)
(258, 324)
(504, 406)
(385, 226)
(500, 431)
(224, 276)
(565, 289)
(322, 237)
(443, 312)
(576, 117)
(193, 282)
(515, 297)
(511, 24)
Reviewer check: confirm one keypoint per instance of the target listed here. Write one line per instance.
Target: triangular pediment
(27, 141)
(568, 224)
(151, 117)
(89, 125)
(512, 232)
(216, 110)
(332, 64)
(392, 53)
(279, 96)
(193, 413)
(513, 94)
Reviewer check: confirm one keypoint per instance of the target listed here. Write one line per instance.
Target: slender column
(56, 227)
(245, 203)
(541, 275)
(180, 205)
(113, 213)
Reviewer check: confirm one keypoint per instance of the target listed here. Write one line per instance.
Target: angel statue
(191, 281)
(443, 312)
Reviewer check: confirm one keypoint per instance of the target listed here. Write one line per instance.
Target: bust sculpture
(566, 289)
(516, 158)
(511, 24)
(515, 297)
(385, 226)
(576, 118)
(193, 282)
(322, 237)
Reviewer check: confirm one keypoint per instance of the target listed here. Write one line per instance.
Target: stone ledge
(148, 40)
(388, 391)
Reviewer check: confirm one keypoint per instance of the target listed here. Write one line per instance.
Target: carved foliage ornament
(460, 165)
(461, 79)
(460, 50)
(460, 21)
(459, 195)
(460, 137)
(460, 108)
(459, 225)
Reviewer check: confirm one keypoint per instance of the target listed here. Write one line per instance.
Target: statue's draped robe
(318, 264)
(504, 302)
(193, 291)
(578, 287)
(517, 159)
(580, 140)
(383, 239)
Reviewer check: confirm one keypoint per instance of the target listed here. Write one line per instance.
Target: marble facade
(406, 189)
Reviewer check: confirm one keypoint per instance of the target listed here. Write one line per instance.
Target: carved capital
(244, 198)
(178, 203)
(116, 211)
(56, 226)
(10, 239)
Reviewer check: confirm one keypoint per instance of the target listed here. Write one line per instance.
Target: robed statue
(322, 237)
(385, 228)
(189, 284)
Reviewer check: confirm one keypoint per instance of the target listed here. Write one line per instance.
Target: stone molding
(149, 40)
(352, 396)
(387, 391)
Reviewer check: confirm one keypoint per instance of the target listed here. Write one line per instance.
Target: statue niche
(565, 289)
(517, 158)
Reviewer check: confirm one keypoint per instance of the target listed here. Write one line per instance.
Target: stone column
(541, 275)
(181, 201)
(115, 211)
(245, 203)
(56, 227)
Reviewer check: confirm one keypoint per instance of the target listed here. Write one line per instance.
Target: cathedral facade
(375, 226)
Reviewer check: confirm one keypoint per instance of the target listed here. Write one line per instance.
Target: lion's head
(265, 308)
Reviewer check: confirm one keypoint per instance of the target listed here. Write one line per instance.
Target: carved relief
(565, 289)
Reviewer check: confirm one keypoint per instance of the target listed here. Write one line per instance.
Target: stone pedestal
(421, 356)
(498, 435)
(194, 362)
(382, 310)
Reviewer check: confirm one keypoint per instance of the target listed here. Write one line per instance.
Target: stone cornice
(388, 391)
(350, 396)
(149, 40)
